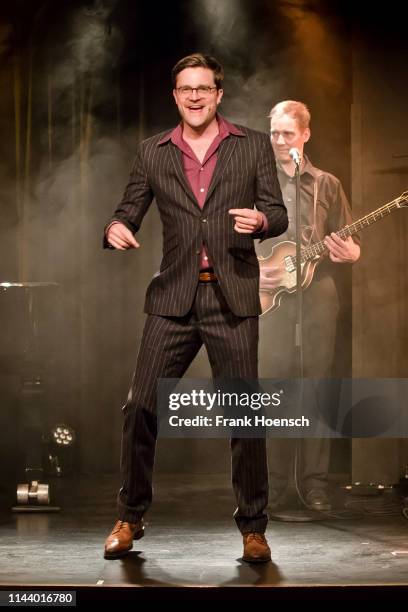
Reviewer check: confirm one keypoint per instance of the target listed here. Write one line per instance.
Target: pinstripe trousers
(168, 346)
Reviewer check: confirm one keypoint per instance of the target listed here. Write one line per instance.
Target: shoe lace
(119, 526)
(258, 537)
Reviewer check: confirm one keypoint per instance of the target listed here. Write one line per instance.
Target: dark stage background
(82, 83)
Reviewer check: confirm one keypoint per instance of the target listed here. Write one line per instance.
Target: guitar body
(282, 259)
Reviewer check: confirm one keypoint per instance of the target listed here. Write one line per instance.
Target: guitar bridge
(289, 263)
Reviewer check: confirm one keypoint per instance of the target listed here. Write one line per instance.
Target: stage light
(57, 459)
(59, 443)
(63, 435)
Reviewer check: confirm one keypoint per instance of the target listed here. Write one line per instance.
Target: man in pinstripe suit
(206, 176)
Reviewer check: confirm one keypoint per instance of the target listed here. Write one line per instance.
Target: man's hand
(120, 237)
(342, 251)
(270, 278)
(247, 220)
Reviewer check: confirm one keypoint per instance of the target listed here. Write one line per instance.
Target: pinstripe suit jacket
(244, 177)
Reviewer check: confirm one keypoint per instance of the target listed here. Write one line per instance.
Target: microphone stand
(302, 515)
(299, 290)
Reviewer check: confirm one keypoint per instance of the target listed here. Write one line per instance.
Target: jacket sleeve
(268, 194)
(136, 199)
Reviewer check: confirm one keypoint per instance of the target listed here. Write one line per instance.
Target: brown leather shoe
(256, 549)
(120, 540)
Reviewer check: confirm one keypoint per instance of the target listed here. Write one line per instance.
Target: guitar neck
(318, 248)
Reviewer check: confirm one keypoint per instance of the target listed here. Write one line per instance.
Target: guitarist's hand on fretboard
(342, 251)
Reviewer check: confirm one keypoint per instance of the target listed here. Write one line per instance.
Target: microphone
(295, 155)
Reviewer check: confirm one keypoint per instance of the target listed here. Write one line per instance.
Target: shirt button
(202, 189)
(201, 169)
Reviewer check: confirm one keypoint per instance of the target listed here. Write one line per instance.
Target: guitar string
(318, 248)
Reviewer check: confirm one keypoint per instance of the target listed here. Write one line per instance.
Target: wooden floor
(191, 541)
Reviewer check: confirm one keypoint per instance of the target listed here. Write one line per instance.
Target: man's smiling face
(197, 97)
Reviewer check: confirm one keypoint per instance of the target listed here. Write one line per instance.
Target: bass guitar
(283, 256)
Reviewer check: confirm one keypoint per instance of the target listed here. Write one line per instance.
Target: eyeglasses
(202, 90)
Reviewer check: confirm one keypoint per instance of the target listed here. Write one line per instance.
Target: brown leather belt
(207, 277)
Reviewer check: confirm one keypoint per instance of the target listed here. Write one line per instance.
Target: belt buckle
(207, 277)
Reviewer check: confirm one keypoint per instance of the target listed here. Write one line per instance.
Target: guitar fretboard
(318, 248)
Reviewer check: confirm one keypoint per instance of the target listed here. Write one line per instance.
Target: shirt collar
(225, 129)
(307, 168)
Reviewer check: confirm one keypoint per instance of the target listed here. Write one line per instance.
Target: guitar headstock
(403, 199)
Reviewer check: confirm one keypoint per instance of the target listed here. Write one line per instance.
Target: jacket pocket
(243, 241)
(243, 249)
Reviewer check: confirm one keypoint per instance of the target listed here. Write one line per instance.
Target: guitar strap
(319, 173)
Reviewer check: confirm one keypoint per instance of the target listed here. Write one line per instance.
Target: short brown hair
(199, 60)
(297, 110)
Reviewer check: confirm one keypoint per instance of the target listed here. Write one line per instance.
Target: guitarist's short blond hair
(298, 110)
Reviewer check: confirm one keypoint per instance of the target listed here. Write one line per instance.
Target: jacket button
(198, 251)
(203, 220)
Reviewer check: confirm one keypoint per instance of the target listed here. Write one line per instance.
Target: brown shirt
(332, 207)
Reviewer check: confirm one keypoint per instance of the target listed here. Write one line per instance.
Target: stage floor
(191, 540)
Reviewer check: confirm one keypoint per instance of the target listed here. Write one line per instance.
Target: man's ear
(306, 135)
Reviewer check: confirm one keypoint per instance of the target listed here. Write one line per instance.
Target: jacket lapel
(177, 159)
(224, 155)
